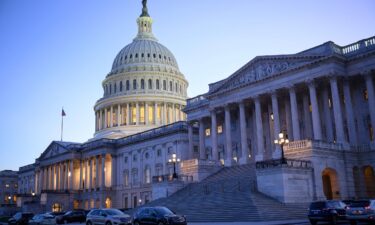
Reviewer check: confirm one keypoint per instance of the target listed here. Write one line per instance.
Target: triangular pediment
(53, 149)
(261, 68)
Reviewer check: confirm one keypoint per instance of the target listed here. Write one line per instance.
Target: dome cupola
(144, 89)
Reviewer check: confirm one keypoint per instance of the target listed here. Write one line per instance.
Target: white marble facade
(323, 98)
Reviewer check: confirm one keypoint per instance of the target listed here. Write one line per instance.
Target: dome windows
(170, 86)
(134, 84)
(120, 86)
(114, 88)
(149, 84)
(136, 55)
(142, 84)
(127, 85)
(131, 56)
(164, 85)
(143, 55)
(157, 84)
(154, 55)
(148, 55)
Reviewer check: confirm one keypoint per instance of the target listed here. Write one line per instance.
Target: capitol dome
(144, 89)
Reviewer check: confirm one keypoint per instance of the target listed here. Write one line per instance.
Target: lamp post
(283, 139)
(174, 160)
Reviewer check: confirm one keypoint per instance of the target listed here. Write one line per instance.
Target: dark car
(72, 216)
(158, 216)
(55, 214)
(107, 217)
(20, 218)
(42, 219)
(331, 211)
(363, 211)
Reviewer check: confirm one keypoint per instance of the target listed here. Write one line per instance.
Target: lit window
(142, 114)
(219, 129)
(134, 115)
(7, 185)
(329, 103)
(208, 132)
(271, 116)
(150, 114)
(310, 108)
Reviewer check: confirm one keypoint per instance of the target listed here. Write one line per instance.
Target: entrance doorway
(331, 187)
(369, 181)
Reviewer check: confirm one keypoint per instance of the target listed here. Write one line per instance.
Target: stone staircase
(229, 195)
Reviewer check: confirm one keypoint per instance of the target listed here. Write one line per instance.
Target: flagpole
(62, 126)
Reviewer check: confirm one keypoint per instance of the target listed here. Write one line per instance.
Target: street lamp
(283, 139)
(174, 160)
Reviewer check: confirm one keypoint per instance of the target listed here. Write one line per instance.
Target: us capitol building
(322, 98)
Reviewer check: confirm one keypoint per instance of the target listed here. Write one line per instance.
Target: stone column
(66, 175)
(294, 112)
(61, 177)
(173, 113)
(119, 122)
(105, 118)
(202, 149)
(80, 175)
(113, 171)
(102, 183)
(244, 146)
(41, 177)
(276, 124)
(307, 117)
(327, 115)
(87, 183)
(91, 161)
(128, 114)
(228, 136)
(317, 129)
(371, 98)
(97, 172)
(165, 113)
(156, 119)
(191, 144)
(340, 134)
(146, 113)
(99, 120)
(137, 113)
(259, 125)
(350, 114)
(71, 169)
(214, 135)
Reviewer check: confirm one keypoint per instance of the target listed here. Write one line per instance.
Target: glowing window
(219, 129)
(142, 114)
(208, 132)
(150, 114)
(134, 115)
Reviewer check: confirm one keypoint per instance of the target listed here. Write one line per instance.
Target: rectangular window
(151, 114)
(208, 132)
(142, 114)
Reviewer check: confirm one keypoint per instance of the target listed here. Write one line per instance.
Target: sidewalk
(281, 222)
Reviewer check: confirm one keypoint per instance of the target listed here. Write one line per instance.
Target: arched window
(134, 84)
(157, 84)
(110, 89)
(164, 85)
(105, 90)
(115, 88)
(149, 84)
(180, 89)
(120, 86)
(176, 88)
(142, 84)
(127, 85)
(170, 86)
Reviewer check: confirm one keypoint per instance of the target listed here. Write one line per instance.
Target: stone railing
(361, 45)
(291, 163)
(200, 162)
(305, 144)
(196, 101)
(169, 178)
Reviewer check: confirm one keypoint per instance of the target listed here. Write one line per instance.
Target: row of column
(58, 176)
(138, 114)
(294, 117)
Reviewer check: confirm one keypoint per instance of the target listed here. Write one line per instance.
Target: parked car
(363, 211)
(20, 218)
(107, 217)
(42, 219)
(158, 216)
(55, 214)
(72, 216)
(331, 211)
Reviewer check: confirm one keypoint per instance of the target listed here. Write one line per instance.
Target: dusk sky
(56, 53)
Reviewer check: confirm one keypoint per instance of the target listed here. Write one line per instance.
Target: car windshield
(360, 204)
(317, 205)
(164, 211)
(114, 212)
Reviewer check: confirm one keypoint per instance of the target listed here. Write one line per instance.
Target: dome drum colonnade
(144, 89)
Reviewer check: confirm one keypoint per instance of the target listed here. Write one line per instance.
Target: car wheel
(353, 222)
(88, 223)
(313, 222)
(108, 223)
(136, 223)
(160, 223)
(65, 221)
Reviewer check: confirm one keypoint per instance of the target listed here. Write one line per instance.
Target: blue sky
(57, 53)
